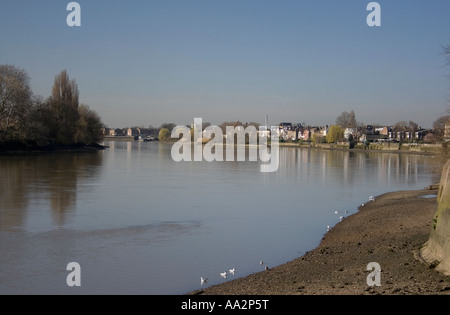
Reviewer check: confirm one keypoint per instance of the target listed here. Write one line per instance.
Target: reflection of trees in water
(50, 177)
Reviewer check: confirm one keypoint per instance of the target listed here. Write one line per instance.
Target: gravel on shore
(389, 231)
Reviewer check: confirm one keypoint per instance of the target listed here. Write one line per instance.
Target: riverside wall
(436, 251)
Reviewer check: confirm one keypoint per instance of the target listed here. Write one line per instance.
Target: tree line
(28, 119)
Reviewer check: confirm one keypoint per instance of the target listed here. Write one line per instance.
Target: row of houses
(297, 131)
(294, 132)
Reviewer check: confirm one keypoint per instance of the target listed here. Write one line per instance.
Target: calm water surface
(139, 223)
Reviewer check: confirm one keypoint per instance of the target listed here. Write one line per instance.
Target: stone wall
(436, 251)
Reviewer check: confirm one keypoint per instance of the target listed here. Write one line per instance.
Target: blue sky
(140, 63)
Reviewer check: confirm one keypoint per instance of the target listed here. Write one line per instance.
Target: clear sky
(146, 62)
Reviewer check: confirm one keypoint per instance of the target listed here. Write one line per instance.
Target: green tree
(335, 133)
(164, 134)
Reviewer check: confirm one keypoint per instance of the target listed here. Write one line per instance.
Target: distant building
(290, 132)
(350, 131)
(118, 132)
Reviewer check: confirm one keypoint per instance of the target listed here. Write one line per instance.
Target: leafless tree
(439, 126)
(15, 99)
(65, 91)
(347, 120)
(64, 107)
(89, 129)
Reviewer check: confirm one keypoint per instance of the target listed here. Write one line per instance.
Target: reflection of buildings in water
(374, 167)
(111, 145)
(50, 178)
(400, 168)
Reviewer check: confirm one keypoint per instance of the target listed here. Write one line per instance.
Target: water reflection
(131, 214)
(29, 181)
(349, 167)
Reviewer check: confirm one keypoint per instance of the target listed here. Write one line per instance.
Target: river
(137, 222)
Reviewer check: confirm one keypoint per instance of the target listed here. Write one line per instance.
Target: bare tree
(15, 99)
(89, 129)
(401, 126)
(65, 91)
(64, 106)
(439, 126)
(169, 126)
(347, 120)
(413, 126)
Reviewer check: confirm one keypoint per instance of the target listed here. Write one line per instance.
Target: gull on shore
(371, 198)
(203, 280)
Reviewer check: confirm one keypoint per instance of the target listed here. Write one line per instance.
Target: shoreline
(29, 150)
(390, 231)
(340, 148)
(417, 149)
(433, 152)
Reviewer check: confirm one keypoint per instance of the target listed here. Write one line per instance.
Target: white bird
(371, 198)
(232, 271)
(261, 262)
(202, 280)
(341, 218)
(328, 228)
(223, 274)
(336, 212)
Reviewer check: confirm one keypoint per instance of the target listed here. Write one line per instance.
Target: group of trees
(31, 120)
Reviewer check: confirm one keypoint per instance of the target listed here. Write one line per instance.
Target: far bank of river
(23, 149)
(387, 147)
(414, 148)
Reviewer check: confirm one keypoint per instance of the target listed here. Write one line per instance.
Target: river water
(137, 222)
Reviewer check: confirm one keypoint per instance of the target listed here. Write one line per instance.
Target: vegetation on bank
(28, 121)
